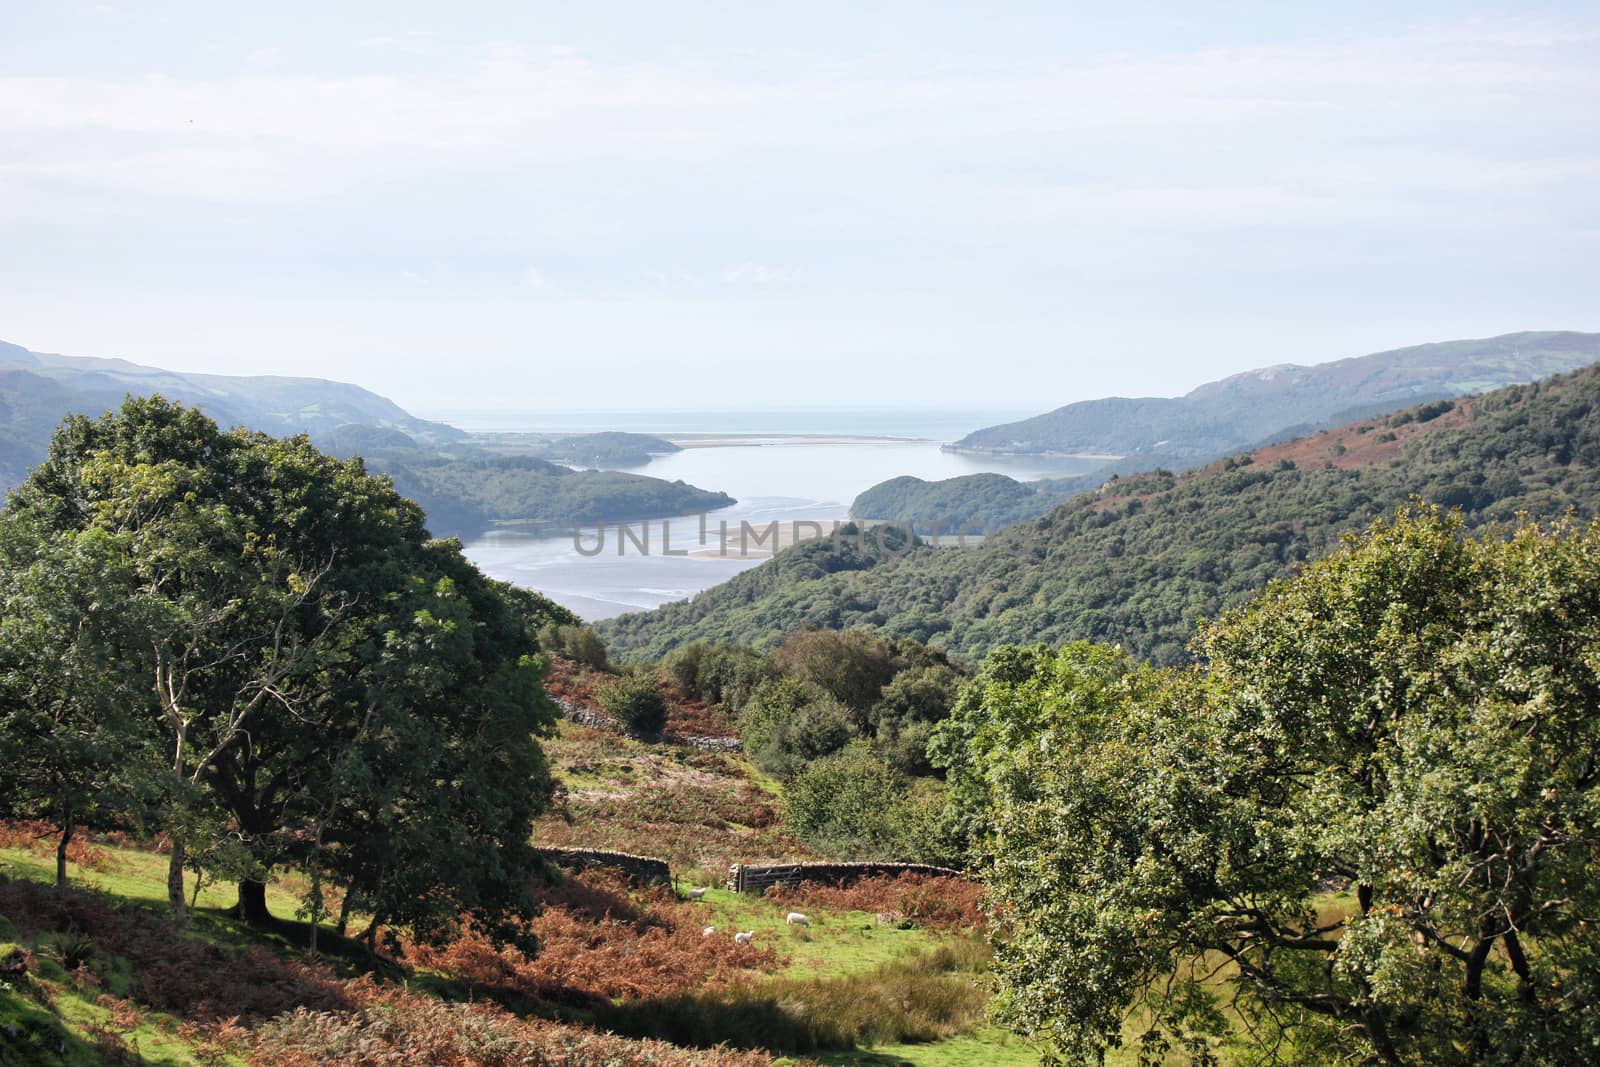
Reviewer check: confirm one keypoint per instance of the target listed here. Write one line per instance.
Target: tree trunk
(253, 903)
(61, 850)
(180, 910)
(344, 911)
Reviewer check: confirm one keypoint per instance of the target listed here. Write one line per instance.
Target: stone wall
(751, 878)
(645, 869)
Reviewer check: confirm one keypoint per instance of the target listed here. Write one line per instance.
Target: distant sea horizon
(929, 424)
(780, 465)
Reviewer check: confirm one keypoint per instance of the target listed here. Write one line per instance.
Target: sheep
(708, 931)
(744, 937)
(794, 918)
(697, 894)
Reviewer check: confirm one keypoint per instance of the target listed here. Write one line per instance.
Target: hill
(1141, 559)
(466, 493)
(973, 502)
(37, 389)
(463, 488)
(609, 448)
(1239, 411)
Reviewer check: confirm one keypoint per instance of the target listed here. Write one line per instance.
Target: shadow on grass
(32, 1034)
(213, 969)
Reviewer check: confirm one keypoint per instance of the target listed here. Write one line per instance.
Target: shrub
(636, 701)
(392, 1026)
(855, 806)
(788, 724)
(577, 643)
(851, 666)
(720, 674)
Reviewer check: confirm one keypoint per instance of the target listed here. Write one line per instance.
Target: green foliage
(854, 805)
(1140, 563)
(572, 640)
(912, 703)
(76, 751)
(850, 666)
(609, 448)
(350, 695)
(466, 494)
(786, 724)
(968, 505)
(720, 674)
(636, 701)
(1378, 806)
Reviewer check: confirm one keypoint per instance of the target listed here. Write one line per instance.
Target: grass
(836, 944)
(138, 875)
(987, 1046)
(846, 978)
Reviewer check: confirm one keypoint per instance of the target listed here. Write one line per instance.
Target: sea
(787, 466)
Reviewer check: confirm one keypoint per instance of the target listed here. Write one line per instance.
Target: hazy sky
(529, 205)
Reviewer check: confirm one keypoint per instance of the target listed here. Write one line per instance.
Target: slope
(1235, 412)
(1141, 559)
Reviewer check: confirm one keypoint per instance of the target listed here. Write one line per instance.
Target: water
(784, 466)
(931, 424)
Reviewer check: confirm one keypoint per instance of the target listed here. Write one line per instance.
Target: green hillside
(1239, 411)
(1141, 559)
(463, 488)
(467, 493)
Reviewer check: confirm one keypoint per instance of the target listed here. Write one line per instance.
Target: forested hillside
(1139, 561)
(1241, 411)
(608, 448)
(462, 487)
(952, 504)
(466, 494)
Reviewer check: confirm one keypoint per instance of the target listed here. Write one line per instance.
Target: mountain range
(464, 486)
(1247, 409)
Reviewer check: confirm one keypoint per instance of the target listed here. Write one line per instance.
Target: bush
(636, 701)
(855, 806)
(852, 666)
(577, 643)
(786, 725)
(720, 674)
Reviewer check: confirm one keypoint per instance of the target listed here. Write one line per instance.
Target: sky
(748, 205)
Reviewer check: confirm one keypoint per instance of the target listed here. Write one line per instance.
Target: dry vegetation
(694, 809)
(597, 943)
(926, 900)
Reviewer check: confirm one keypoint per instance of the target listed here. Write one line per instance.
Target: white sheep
(697, 894)
(708, 931)
(744, 937)
(794, 918)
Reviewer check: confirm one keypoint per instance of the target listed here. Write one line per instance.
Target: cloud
(753, 274)
(1226, 118)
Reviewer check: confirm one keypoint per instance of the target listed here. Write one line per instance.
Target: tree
(851, 666)
(786, 724)
(913, 702)
(299, 627)
(71, 684)
(1369, 827)
(636, 701)
(853, 804)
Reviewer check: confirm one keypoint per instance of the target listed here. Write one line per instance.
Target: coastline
(996, 453)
